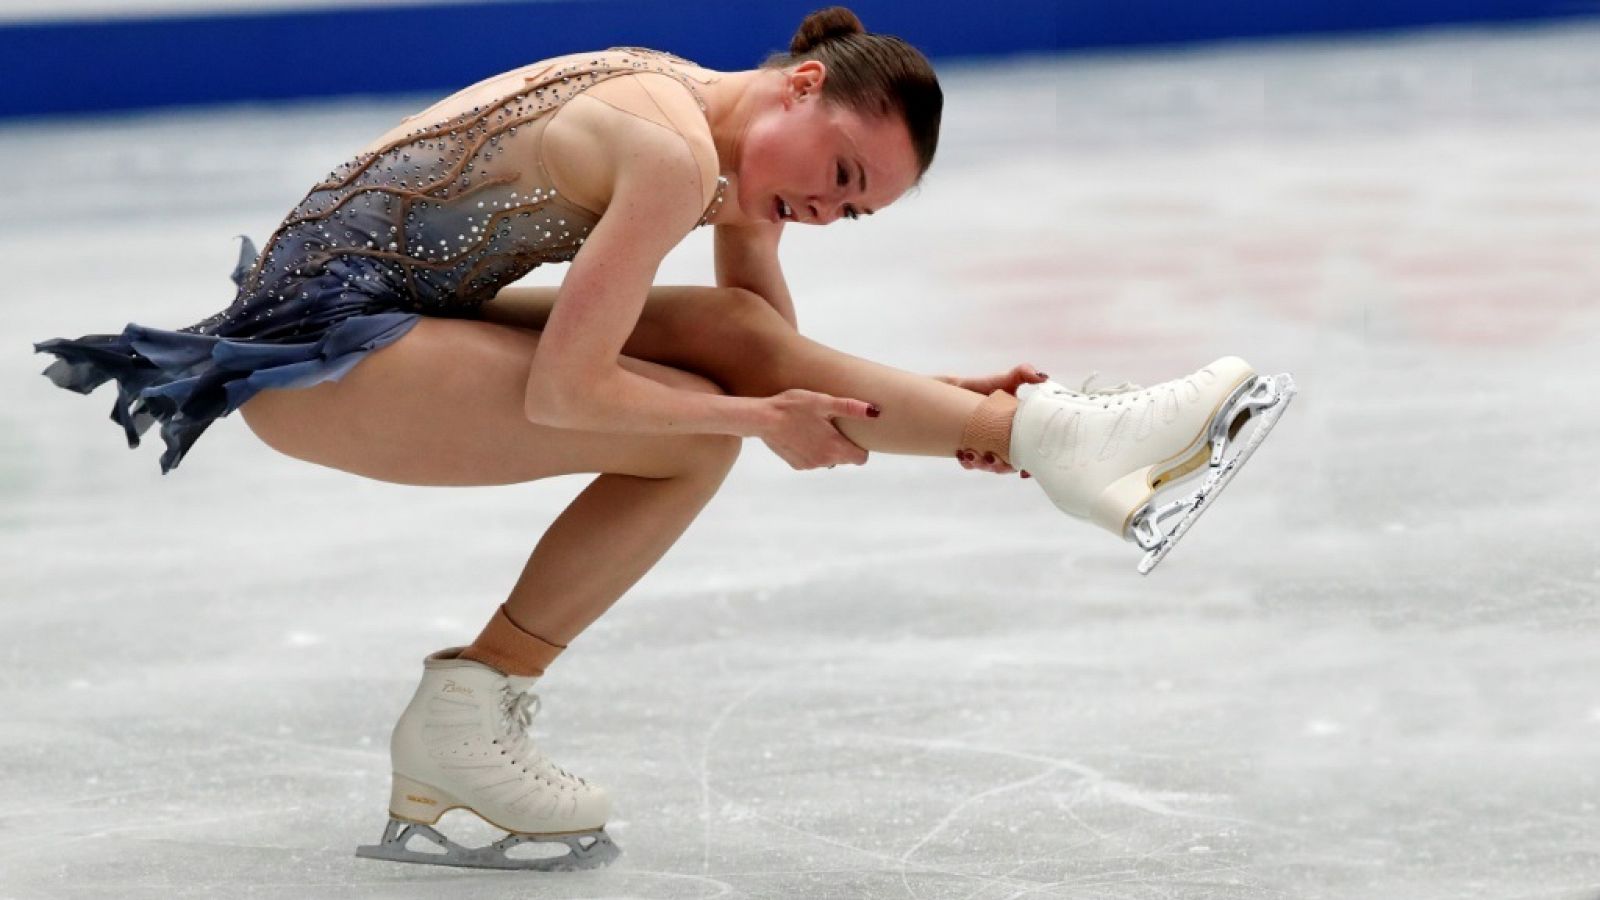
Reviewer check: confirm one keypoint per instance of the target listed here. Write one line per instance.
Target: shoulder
(643, 123)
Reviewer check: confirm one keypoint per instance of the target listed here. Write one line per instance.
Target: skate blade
(1267, 410)
(585, 850)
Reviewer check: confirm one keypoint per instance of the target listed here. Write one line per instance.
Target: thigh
(729, 335)
(443, 406)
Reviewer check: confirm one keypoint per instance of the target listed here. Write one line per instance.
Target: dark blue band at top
(131, 63)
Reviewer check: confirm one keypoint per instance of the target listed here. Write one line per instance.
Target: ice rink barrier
(88, 59)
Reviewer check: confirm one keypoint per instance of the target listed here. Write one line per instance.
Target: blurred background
(95, 55)
(1371, 672)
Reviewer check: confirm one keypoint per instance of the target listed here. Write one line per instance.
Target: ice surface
(1371, 672)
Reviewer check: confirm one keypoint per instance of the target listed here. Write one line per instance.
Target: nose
(823, 212)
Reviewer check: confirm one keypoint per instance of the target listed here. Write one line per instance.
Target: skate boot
(463, 743)
(1102, 454)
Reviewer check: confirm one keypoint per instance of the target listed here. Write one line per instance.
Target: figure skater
(376, 333)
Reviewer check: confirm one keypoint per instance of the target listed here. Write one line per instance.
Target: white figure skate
(463, 743)
(1102, 454)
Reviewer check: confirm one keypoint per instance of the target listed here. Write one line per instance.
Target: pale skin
(651, 389)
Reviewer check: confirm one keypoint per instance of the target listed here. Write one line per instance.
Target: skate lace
(1168, 391)
(517, 711)
(1127, 387)
(1086, 391)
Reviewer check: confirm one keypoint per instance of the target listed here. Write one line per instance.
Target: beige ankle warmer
(506, 647)
(989, 429)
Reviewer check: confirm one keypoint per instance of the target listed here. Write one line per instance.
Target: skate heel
(417, 802)
(1117, 503)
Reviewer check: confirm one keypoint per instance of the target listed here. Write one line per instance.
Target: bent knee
(749, 309)
(716, 453)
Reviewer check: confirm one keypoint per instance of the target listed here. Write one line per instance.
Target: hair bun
(824, 25)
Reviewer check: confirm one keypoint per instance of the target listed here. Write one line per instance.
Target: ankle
(506, 646)
(988, 429)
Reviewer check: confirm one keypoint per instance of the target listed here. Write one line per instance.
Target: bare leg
(604, 542)
(443, 406)
(737, 340)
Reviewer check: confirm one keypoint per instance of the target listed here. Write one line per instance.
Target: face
(804, 159)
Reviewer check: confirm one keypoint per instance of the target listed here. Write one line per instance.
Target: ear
(804, 82)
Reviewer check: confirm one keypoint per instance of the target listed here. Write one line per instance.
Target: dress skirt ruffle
(313, 331)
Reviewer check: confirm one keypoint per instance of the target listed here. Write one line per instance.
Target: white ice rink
(1372, 672)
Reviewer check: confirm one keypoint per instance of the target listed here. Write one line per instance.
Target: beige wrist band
(989, 429)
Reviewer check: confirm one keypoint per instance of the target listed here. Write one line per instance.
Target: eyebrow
(862, 172)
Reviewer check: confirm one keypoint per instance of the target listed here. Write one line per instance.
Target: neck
(731, 102)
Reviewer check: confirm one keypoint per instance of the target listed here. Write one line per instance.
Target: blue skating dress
(432, 224)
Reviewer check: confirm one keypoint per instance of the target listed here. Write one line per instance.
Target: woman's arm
(658, 193)
(747, 257)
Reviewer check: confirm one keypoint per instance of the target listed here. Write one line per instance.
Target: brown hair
(874, 74)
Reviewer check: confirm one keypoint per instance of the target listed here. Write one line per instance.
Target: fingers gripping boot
(463, 743)
(1100, 455)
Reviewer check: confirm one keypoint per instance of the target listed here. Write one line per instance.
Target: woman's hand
(802, 431)
(1007, 381)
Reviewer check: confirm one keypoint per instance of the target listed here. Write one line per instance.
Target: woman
(375, 333)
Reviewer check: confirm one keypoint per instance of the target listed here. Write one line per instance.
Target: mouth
(781, 211)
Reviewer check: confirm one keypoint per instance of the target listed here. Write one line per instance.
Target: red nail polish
(988, 458)
(1026, 475)
(874, 412)
(1043, 375)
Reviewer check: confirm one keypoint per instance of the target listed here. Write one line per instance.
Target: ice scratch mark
(986, 880)
(1070, 811)
(705, 766)
(1117, 791)
(956, 811)
(1095, 784)
(1102, 880)
(1057, 856)
(723, 888)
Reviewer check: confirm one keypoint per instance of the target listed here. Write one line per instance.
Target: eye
(850, 212)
